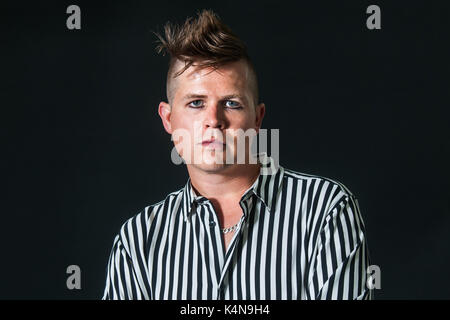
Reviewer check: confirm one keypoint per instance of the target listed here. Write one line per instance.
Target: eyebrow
(202, 96)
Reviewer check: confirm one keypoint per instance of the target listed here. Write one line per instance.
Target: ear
(165, 111)
(260, 111)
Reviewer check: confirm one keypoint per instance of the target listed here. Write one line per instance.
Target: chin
(212, 161)
(212, 168)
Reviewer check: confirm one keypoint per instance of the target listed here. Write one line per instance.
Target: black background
(83, 148)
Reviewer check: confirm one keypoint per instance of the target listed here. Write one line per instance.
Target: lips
(212, 142)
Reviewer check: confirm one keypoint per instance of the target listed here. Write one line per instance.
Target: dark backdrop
(83, 148)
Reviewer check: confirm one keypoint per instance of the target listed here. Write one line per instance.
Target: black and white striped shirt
(300, 236)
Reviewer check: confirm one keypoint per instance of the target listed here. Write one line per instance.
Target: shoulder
(137, 227)
(328, 189)
(325, 201)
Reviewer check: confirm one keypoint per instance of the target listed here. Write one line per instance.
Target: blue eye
(194, 105)
(235, 104)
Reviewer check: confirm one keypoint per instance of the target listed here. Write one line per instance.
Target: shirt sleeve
(339, 266)
(121, 280)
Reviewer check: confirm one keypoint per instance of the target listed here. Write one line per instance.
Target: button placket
(214, 235)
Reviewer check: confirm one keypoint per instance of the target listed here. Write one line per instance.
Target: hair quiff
(205, 41)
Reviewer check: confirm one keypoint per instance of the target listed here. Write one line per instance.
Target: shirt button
(212, 223)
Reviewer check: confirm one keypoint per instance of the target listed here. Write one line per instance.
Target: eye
(233, 105)
(195, 104)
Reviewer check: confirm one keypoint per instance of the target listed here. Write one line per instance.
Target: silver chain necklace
(229, 229)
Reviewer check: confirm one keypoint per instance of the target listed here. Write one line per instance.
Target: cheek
(180, 121)
(187, 127)
(245, 122)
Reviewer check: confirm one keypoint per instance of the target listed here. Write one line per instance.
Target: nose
(214, 117)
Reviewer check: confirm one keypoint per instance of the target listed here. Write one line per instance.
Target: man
(234, 231)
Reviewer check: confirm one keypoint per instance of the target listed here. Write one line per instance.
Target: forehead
(233, 76)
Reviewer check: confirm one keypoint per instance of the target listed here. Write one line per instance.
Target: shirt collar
(266, 186)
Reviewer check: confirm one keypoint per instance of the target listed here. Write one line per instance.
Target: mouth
(213, 143)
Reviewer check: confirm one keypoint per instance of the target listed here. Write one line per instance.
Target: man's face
(208, 109)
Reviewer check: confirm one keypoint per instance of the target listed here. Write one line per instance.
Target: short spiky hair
(208, 42)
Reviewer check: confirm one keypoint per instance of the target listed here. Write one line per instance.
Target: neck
(225, 184)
